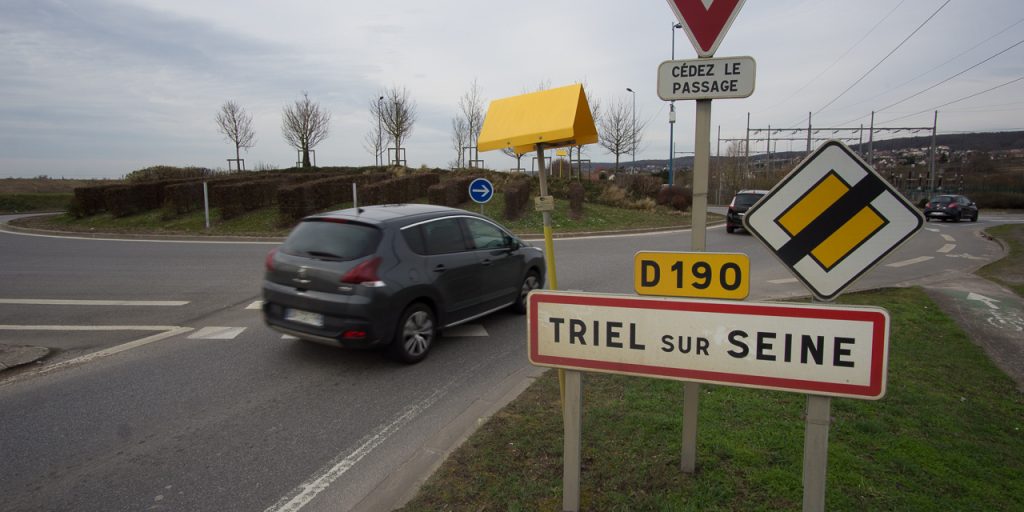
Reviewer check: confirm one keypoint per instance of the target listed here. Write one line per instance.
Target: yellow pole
(549, 248)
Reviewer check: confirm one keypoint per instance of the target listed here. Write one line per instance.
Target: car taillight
(952, 205)
(364, 273)
(269, 262)
(928, 205)
(354, 334)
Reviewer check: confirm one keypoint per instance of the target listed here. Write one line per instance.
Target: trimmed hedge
(517, 197)
(451, 192)
(675, 196)
(576, 193)
(299, 200)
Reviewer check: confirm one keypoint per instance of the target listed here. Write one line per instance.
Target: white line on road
(63, 302)
(255, 305)
(153, 241)
(948, 238)
(308, 490)
(216, 333)
(169, 331)
(788, 280)
(912, 261)
(946, 248)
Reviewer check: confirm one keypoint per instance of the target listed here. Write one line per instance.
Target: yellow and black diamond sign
(832, 219)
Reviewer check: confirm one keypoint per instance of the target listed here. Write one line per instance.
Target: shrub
(614, 195)
(182, 198)
(676, 197)
(576, 200)
(167, 172)
(639, 185)
(517, 197)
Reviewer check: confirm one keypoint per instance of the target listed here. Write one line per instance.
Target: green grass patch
(949, 435)
(21, 203)
(1008, 271)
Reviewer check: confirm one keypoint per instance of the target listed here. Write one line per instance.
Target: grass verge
(42, 202)
(1008, 271)
(949, 435)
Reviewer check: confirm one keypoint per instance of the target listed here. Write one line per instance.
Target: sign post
(705, 25)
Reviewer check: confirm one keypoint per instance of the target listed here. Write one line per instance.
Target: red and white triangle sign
(706, 21)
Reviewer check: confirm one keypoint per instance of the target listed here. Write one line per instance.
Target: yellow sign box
(555, 117)
(709, 275)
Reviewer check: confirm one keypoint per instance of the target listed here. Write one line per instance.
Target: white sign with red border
(814, 349)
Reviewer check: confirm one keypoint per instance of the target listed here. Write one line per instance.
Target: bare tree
(398, 112)
(460, 139)
(471, 108)
(615, 131)
(512, 154)
(236, 125)
(375, 141)
(304, 125)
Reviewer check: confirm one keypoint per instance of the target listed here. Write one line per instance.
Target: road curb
(18, 355)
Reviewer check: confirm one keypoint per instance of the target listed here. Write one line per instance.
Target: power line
(922, 91)
(990, 89)
(947, 61)
(841, 57)
(884, 58)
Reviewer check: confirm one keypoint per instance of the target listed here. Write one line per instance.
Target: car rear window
(942, 199)
(747, 199)
(332, 240)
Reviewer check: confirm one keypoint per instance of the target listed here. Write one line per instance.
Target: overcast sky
(98, 88)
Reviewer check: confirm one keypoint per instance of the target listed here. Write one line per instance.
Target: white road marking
(307, 491)
(933, 230)
(288, 337)
(466, 330)
(912, 261)
(946, 248)
(990, 302)
(255, 305)
(68, 302)
(147, 240)
(169, 331)
(89, 327)
(216, 333)
(948, 238)
(788, 280)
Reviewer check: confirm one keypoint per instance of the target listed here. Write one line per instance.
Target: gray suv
(395, 276)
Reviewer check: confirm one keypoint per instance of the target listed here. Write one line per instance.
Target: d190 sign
(692, 274)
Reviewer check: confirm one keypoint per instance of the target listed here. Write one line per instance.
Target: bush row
(451, 192)
(517, 198)
(299, 200)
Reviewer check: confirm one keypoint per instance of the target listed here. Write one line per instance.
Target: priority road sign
(832, 219)
(481, 190)
(706, 21)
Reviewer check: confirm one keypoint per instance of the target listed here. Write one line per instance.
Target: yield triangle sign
(706, 21)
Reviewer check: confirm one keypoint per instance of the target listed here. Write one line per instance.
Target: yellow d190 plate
(708, 275)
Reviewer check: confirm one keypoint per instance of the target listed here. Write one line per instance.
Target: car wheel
(959, 217)
(530, 282)
(974, 218)
(415, 334)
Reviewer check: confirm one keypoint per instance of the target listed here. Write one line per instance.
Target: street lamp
(380, 133)
(672, 118)
(632, 133)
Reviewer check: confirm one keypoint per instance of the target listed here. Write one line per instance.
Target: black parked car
(951, 207)
(741, 202)
(395, 276)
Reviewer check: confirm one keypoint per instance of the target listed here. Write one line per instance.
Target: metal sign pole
(699, 214)
(816, 451)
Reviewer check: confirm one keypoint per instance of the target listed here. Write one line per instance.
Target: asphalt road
(165, 391)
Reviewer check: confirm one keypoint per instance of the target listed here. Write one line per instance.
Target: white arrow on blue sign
(481, 190)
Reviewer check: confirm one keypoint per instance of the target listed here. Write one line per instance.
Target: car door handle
(486, 262)
(440, 268)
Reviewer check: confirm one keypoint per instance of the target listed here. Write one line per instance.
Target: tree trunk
(305, 158)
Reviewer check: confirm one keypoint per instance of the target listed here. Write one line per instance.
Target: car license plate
(304, 317)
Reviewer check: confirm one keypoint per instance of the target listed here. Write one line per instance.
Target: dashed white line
(946, 248)
(912, 261)
(948, 238)
(783, 281)
(68, 302)
(255, 305)
(217, 333)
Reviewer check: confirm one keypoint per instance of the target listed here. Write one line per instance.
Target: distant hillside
(982, 141)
